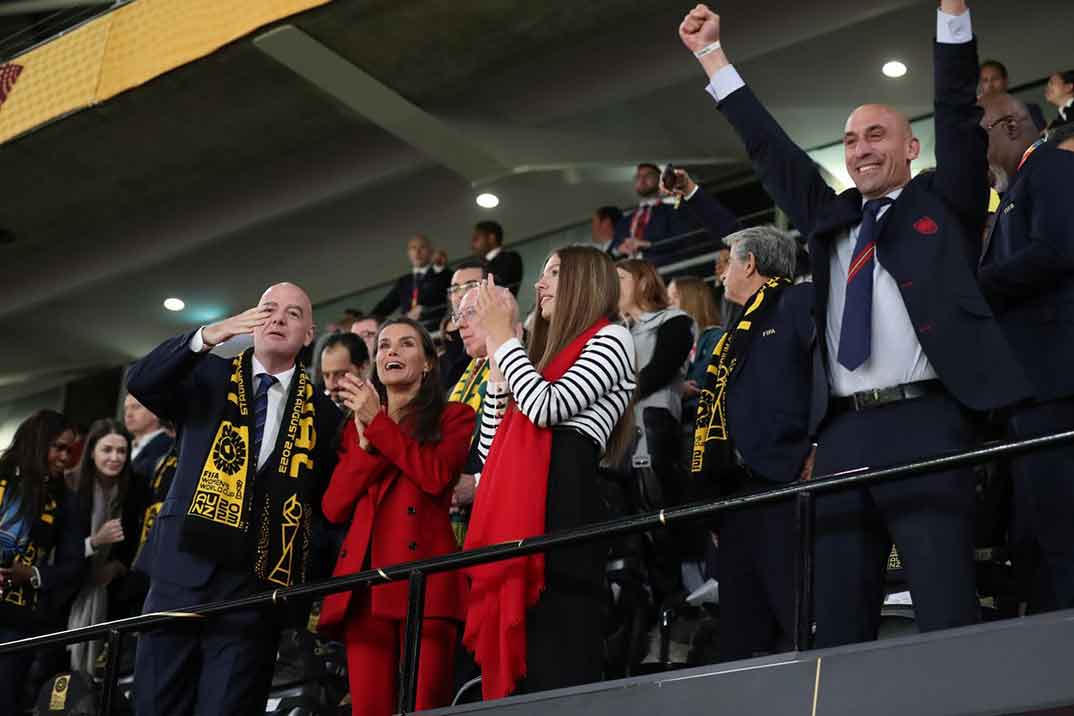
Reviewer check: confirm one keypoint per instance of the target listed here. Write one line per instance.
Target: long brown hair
(695, 297)
(421, 416)
(87, 468)
(588, 290)
(650, 293)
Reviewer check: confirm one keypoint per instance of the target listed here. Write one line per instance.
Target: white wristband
(707, 49)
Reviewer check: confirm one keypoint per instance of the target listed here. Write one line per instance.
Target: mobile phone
(667, 179)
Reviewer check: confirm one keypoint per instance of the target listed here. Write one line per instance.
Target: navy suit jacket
(666, 222)
(1027, 271)
(432, 297)
(506, 266)
(146, 462)
(930, 238)
(770, 411)
(190, 389)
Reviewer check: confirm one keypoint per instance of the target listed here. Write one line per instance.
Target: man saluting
(254, 454)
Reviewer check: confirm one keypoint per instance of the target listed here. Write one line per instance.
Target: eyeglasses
(1009, 121)
(463, 316)
(460, 288)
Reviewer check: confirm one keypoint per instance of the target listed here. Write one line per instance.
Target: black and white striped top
(590, 397)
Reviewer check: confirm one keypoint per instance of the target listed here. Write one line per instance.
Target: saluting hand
(246, 322)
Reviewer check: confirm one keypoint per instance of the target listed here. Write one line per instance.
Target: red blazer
(398, 502)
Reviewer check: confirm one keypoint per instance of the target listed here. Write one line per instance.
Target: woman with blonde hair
(551, 412)
(692, 295)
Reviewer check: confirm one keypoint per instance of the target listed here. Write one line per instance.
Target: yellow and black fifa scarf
(710, 429)
(470, 390)
(42, 539)
(158, 490)
(230, 514)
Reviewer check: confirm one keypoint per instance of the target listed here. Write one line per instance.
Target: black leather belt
(886, 396)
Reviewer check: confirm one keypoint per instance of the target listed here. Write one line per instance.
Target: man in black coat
(486, 243)
(906, 336)
(762, 409)
(662, 231)
(1027, 273)
(255, 454)
(420, 294)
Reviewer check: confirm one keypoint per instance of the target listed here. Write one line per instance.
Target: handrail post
(110, 687)
(408, 683)
(803, 572)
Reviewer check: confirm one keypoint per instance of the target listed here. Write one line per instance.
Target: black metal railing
(417, 572)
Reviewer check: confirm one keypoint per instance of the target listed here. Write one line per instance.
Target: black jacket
(506, 266)
(1027, 271)
(432, 297)
(930, 237)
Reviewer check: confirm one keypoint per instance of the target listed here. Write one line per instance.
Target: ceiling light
(893, 69)
(488, 201)
(174, 304)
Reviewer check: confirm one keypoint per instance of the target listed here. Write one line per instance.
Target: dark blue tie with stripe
(855, 337)
(260, 413)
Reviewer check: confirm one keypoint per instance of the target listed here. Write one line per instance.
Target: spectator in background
(419, 295)
(756, 397)
(399, 457)
(728, 310)
(342, 354)
(656, 229)
(568, 393)
(103, 486)
(663, 337)
(1027, 273)
(506, 265)
(692, 295)
(470, 389)
(992, 79)
(468, 274)
(602, 226)
(149, 440)
(38, 518)
(366, 327)
(1060, 92)
(440, 260)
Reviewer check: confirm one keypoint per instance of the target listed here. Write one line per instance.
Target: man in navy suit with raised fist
(902, 328)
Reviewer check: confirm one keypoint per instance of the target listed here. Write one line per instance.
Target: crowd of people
(907, 322)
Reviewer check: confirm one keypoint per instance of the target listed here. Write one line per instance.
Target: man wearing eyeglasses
(468, 274)
(1027, 274)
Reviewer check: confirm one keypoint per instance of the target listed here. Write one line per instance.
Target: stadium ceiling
(311, 149)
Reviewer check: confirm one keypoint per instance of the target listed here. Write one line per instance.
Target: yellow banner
(124, 49)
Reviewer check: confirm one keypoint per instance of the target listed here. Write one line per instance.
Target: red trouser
(374, 647)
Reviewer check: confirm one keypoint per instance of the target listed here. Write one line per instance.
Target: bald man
(1027, 273)
(254, 452)
(906, 338)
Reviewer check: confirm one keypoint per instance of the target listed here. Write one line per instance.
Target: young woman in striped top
(550, 413)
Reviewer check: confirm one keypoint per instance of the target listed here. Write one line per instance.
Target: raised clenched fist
(700, 28)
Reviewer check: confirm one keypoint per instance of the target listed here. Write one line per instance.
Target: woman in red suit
(399, 459)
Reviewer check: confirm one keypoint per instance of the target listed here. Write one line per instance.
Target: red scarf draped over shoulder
(510, 506)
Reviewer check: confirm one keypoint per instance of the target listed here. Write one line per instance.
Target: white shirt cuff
(724, 82)
(693, 191)
(197, 343)
(89, 547)
(503, 350)
(477, 479)
(495, 389)
(953, 29)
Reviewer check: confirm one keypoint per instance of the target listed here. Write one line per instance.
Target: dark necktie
(855, 338)
(260, 413)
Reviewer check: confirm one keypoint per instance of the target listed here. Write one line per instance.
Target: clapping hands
(494, 312)
(361, 398)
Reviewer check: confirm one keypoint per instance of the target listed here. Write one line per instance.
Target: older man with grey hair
(756, 406)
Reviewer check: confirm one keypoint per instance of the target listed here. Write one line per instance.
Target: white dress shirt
(494, 253)
(138, 444)
(895, 355)
(1067, 110)
(277, 396)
